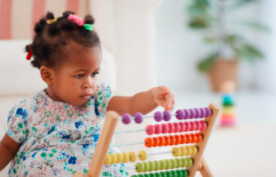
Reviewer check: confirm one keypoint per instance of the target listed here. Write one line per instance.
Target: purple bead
(203, 112)
(197, 113)
(192, 113)
(138, 117)
(180, 114)
(126, 118)
(158, 116)
(208, 112)
(187, 114)
(167, 115)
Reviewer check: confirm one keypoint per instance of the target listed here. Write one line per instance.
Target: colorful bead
(199, 138)
(151, 166)
(148, 142)
(176, 127)
(152, 175)
(163, 174)
(155, 141)
(188, 150)
(157, 165)
(181, 127)
(167, 115)
(192, 113)
(162, 164)
(198, 125)
(157, 174)
(188, 138)
(107, 160)
(190, 162)
(194, 150)
(119, 158)
(173, 163)
(113, 158)
(192, 126)
(138, 117)
(174, 174)
(132, 156)
(203, 125)
(177, 139)
(158, 129)
(172, 140)
(158, 116)
(150, 129)
(134, 176)
(202, 112)
(146, 166)
(140, 175)
(187, 126)
(168, 164)
(184, 173)
(168, 174)
(161, 141)
(142, 155)
(194, 138)
(184, 162)
(178, 163)
(126, 118)
(165, 128)
(208, 112)
(187, 114)
(182, 151)
(167, 140)
(182, 139)
(197, 113)
(139, 168)
(175, 151)
(171, 127)
(146, 175)
(180, 114)
(125, 157)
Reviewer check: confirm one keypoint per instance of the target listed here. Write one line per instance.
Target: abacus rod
(157, 153)
(115, 169)
(126, 144)
(130, 131)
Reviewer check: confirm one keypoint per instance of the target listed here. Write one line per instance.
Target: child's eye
(94, 74)
(79, 76)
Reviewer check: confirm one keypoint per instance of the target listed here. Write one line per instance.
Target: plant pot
(223, 70)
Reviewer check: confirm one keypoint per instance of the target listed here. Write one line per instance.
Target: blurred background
(219, 51)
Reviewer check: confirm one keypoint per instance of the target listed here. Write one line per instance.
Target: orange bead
(161, 141)
(182, 139)
(188, 138)
(167, 140)
(172, 140)
(177, 139)
(155, 141)
(194, 138)
(148, 142)
(199, 138)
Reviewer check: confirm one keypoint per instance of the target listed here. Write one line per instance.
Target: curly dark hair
(50, 39)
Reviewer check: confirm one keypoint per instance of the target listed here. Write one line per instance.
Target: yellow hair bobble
(51, 21)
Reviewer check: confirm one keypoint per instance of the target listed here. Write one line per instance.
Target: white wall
(179, 49)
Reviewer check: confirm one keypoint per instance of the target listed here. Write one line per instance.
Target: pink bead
(203, 125)
(158, 129)
(198, 125)
(181, 127)
(187, 126)
(165, 128)
(171, 128)
(150, 129)
(176, 127)
(192, 126)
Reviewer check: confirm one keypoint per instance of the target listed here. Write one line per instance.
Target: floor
(241, 151)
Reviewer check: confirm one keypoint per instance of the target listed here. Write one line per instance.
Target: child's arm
(143, 102)
(8, 149)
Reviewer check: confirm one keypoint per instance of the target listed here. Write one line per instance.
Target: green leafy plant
(213, 18)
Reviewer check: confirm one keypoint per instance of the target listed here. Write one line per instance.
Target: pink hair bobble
(76, 19)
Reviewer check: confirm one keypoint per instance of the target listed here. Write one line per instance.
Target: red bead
(158, 128)
(172, 138)
(167, 141)
(177, 139)
(161, 141)
(199, 138)
(192, 126)
(203, 125)
(150, 129)
(187, 126)
(188, 138)
(171, 128)
(148, 142)
(182, 139)
(198, 125)
(194, 138)
(155, 141)
(165, 128)
(181, 127)
(176, 127)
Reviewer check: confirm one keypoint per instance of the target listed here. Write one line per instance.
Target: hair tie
(88, 27)
(50, 21)
(29, 55)
(76, 19)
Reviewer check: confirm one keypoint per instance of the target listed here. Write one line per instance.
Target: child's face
(75, 80)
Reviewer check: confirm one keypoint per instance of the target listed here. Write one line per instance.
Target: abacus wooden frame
(199, 164)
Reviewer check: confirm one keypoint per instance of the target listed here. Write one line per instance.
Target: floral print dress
(58, 139)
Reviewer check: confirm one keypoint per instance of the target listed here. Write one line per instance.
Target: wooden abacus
(186, 167)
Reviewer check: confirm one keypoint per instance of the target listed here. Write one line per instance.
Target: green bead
(178, 163)
(151, 166)
(139, 167)
(157, 174)
(173, 163)
(190, 162)
(179, 173)
(134, 176)
(168, 164)
(146, 175)
(140, 175)
(174, 174)
(185, 173)
(163, 174)
(162, 165)
(157, 165)
(152, 175)
(184, 162)
(146, 167)
(169, 174)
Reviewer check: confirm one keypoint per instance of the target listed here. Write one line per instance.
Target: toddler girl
(54, 132)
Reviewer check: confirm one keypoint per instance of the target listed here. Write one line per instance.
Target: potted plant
(213, 18)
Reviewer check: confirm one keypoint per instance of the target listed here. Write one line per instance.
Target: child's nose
(88, 82)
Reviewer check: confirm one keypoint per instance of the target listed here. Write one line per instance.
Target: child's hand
(163, 97)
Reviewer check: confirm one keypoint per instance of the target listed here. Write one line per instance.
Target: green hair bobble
(88, 27)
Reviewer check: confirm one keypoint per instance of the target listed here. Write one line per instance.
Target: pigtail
(40, 26)
(88, 19)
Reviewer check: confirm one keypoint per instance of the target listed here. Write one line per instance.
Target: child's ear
(47, 74)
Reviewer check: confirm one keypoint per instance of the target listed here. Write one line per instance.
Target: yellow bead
(107, 160)
(119, 158)
(194, 150)
(182, 151)
(175, 151)
(132, 156)
(143, 155)
(113, 158)
(125, 157)
(188, 150)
